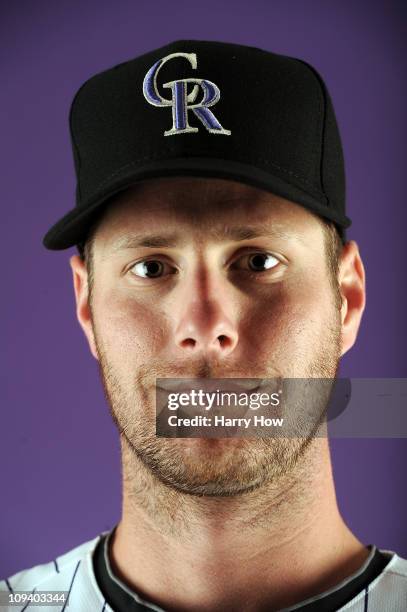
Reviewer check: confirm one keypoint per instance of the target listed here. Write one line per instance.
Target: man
(210, 223)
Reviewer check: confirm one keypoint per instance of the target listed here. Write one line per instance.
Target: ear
(351, 280)
(83, 312)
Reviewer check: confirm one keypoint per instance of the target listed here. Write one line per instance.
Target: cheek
(287, 324)
(129, 330)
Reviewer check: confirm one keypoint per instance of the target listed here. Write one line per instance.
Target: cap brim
(72, 229)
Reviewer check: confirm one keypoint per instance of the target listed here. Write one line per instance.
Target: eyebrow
(173, 240)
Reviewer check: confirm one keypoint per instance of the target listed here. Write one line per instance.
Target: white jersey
(73, 572)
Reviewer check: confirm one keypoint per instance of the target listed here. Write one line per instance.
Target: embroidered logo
(183, 102)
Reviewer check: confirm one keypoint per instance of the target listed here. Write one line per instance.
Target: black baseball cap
(206, 109)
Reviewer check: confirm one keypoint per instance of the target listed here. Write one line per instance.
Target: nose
(204, 327)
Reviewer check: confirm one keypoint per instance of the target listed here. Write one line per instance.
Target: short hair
(85, 250)
(333, 248)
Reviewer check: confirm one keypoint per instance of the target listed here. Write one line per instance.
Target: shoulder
(71, 571)
(387, 592)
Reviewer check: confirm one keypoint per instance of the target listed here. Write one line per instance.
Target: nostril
(188, 343)
(224, 341)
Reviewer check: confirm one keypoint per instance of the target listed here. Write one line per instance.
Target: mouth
(224, 385)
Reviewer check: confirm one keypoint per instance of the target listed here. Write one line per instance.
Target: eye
(257, 262)
(151, 268)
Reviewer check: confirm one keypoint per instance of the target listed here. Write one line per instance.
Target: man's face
(209, 278)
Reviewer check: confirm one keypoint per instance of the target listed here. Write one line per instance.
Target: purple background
(59, 450)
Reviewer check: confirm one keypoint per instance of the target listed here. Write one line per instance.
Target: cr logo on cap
(181, 101)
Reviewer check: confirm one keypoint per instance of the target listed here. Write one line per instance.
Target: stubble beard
(205, 467)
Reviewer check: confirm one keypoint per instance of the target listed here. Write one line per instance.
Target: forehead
(201, 206)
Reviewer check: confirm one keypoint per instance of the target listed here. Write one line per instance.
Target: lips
(225, 385)
(205, 400)
(205, 387)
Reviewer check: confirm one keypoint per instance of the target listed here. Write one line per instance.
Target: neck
(279, 544)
